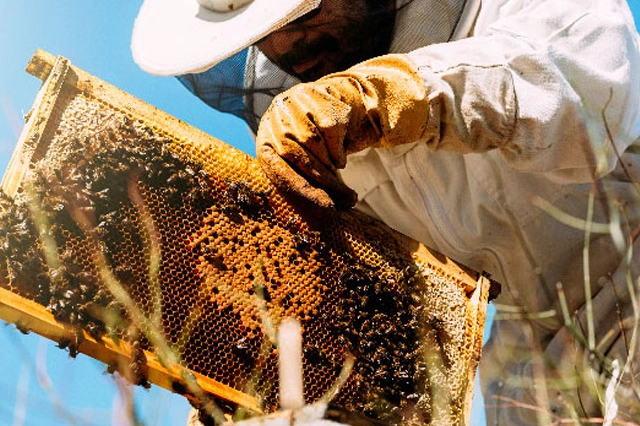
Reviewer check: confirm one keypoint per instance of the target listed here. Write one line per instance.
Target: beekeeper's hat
(173, 37)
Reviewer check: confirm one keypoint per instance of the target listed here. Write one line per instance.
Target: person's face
(337, 35)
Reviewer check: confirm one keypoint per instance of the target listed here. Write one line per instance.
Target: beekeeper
(504, 134)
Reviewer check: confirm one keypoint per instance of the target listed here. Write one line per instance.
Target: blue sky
(39, 383)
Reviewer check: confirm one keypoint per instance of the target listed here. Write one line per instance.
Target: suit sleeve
(554, 86)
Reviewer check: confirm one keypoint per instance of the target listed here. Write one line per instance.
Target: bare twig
(556, 420)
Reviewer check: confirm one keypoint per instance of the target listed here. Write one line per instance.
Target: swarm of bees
(89, 204)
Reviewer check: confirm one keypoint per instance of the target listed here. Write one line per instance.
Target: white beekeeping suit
(529, 169)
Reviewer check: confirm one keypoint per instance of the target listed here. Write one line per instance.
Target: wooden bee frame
(361, 250)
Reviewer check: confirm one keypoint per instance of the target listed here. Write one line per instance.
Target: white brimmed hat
(174, 37)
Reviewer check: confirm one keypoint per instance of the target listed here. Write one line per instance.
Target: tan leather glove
(307, 132)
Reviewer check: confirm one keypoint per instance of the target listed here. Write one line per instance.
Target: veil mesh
(245, 84)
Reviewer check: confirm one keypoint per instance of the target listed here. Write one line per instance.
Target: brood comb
(134, 238)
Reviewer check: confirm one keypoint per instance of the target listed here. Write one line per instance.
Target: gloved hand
(307, 132)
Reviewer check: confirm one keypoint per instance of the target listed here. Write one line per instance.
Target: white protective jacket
(535, 103)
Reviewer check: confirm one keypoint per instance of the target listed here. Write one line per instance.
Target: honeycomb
(122, 225)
